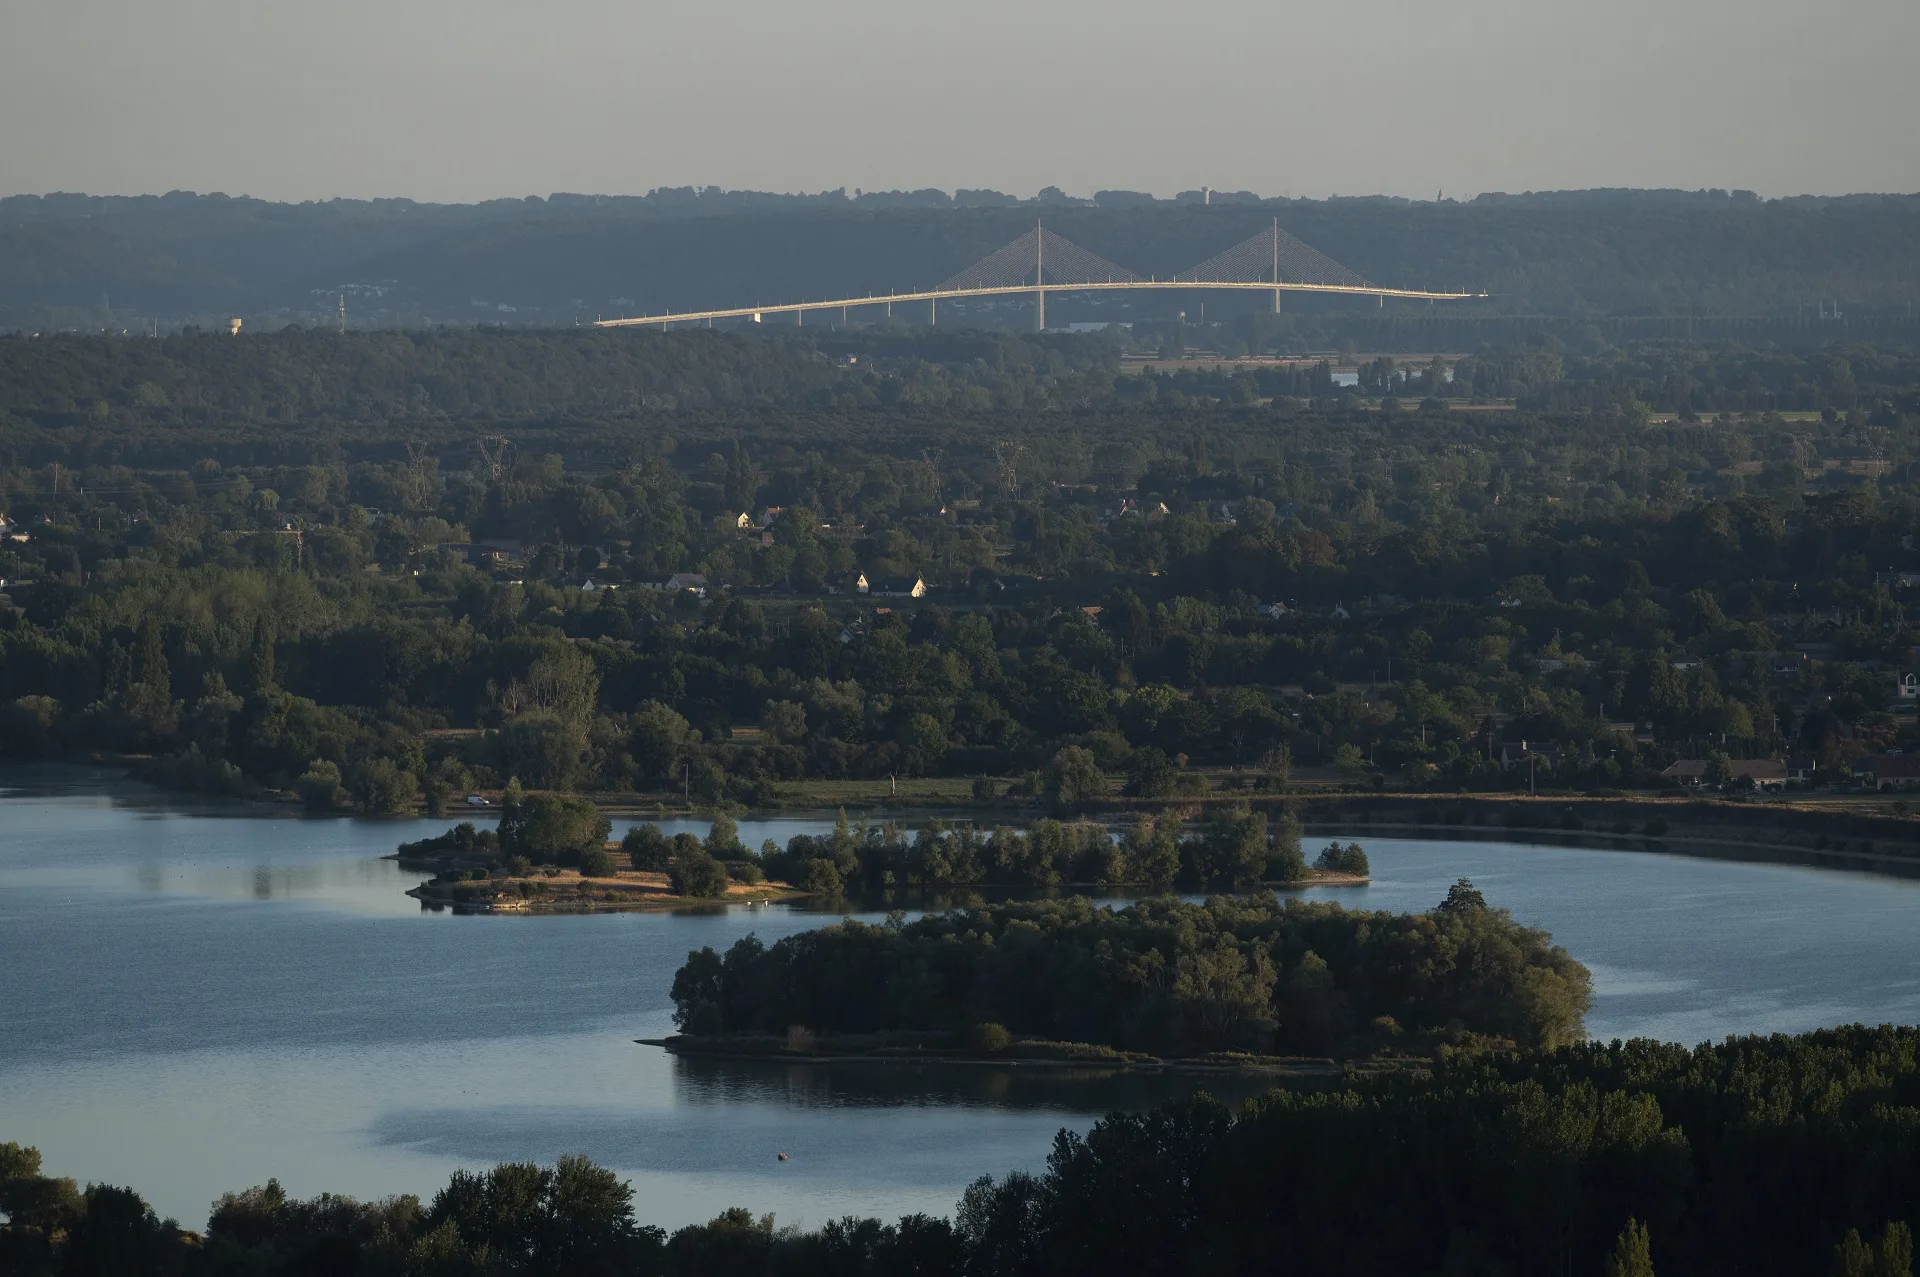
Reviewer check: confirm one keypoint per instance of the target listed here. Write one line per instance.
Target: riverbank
(1860, 832)
(568, 891)
(1761, 830)
(946, 1049)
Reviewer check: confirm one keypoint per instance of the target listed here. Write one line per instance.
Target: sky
(459, 100)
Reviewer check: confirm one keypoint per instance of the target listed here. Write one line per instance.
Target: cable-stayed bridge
(1041, 262)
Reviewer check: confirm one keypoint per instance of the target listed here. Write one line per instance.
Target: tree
(1892, 1256)
(260, 662)
(551, 829)
(1150, 774)
(657, 737)
(573, 1218)
(1153, 851)
(30, 1199)
(1073, 778)
(785, 721)
(697, 875)
(1277, 763)
(735, 1241)
(699, 991)
(647, 848)
(1285, 863)
(1462, 898)
(549, 749)
(1632, 1252)
(118, 1234)
(723, 838)
(1350, 859)
(596, 862)
(320, 787)
(1235, 849)
(1852, 1257)
(1349, 761)
(823, 878)
(383, 789)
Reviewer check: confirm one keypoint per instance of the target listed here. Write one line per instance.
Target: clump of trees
(551, 829)
(1350, 859)
(1233, 848)
(535, 829)
(1244, 974)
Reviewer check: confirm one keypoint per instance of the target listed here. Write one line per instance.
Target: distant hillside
(88, 262)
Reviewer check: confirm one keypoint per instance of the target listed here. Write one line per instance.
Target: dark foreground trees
(1763, 1157)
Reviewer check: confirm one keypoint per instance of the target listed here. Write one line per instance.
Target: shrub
(384, 789)
(745, 871)
(988, 1038)
(597, 863)
(320, 787)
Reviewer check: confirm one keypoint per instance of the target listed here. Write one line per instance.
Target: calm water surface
(194, 998)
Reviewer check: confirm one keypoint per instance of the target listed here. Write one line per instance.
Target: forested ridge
(1763, 1157)
(94, 262)
(183, 398)
(263, 560)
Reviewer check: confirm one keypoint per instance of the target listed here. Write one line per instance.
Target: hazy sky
(466, 99)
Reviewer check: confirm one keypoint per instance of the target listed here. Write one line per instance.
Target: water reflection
(886, 1086)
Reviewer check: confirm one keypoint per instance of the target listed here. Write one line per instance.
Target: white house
(855, 584)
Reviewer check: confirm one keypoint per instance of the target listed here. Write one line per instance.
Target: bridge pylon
(1039, 277)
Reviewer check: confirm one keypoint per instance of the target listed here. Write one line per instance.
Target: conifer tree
(1632, 1252)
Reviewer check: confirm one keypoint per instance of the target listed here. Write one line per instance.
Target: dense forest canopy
(93, 262)
(383, 561)
(1245, 974)
(1763, 1157)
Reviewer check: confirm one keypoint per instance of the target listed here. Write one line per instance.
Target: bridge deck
(1020, 290)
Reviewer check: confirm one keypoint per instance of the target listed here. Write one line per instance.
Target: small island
(551, 854)
(1238, 982)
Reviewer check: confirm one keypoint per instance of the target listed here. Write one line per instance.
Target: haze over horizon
(433, 101)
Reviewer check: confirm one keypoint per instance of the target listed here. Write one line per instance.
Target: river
(195, 997)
